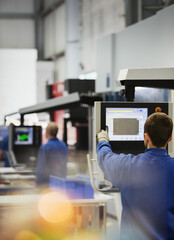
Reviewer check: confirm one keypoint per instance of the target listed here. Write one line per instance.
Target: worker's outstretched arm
(116, 167)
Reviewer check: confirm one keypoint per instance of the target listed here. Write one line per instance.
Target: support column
(39, 43)
(73, 19)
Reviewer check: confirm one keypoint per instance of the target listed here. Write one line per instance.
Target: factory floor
(79, 159)
(77, 164)
(112, 229)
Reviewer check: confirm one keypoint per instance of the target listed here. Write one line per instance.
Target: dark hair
(52, 129)
(159, 127)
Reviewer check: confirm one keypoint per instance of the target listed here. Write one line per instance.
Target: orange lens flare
(27, 235)
(55, 207)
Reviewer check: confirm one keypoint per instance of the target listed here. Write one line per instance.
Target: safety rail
(97, 172)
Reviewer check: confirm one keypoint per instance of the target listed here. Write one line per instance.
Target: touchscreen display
(126, 124)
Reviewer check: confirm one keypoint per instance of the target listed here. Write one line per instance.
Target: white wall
(60, 69)
(73, 45)
(54, 32)
(105, 63)
(45, 75)
(149, 43)
(17, 33)
(17, 80)
(100, 18)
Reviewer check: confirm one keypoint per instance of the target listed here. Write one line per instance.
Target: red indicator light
(158, 109)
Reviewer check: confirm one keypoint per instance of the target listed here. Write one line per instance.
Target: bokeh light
(85, 235)
(55, 207)
(27, 235)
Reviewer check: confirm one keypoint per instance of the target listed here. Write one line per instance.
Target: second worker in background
(52, 157)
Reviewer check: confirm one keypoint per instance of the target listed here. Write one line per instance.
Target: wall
(45, 75)
(55, 40)
(54, 32)
(17, 80)
(148, 43)
(99, 18)
(73, 31)
(16, 32)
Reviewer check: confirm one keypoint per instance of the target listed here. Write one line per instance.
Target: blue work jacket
(146, 183)
(4, 147)
(52, 160)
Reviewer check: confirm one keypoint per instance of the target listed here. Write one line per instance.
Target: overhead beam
(65, 102)
(53, 104)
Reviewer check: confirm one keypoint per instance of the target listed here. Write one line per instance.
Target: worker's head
(158, 130)
(51, 130)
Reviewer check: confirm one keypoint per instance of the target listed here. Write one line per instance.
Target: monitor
(125, 122)
(23, 136)
(24, 143)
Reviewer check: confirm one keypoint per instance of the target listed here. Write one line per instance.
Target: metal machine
(24, 142)
(125, 120)
(145, 77)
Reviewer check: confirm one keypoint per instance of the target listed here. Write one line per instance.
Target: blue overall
(52, 160)
(146, 183)
(4, 147)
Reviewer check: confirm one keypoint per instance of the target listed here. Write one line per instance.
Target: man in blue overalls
(52, 157)
(4, 150)
(146, 182)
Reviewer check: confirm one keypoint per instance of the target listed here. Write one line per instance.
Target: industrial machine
(24, 142)
(125, 120)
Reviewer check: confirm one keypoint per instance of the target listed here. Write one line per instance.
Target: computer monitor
(24, 143)
(23, 136)
(125, 122)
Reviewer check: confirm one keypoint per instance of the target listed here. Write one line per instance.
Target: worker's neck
(50, 137)
(150, 145)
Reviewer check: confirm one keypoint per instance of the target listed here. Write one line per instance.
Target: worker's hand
(103, 136)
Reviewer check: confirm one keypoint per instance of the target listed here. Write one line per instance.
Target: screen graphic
(23, 136)
(126, 124)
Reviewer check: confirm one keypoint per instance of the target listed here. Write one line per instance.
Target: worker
(52, 157)
(146, 182)
(4, 150)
